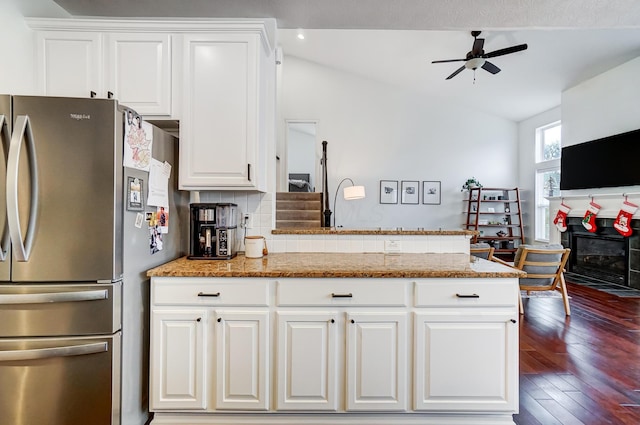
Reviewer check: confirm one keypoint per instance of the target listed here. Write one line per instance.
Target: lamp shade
(354, 192)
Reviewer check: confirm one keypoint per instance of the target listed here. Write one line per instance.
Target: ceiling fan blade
(449, 60)
(488, 66)
(478, 44)
(456, 72)
(505, 51)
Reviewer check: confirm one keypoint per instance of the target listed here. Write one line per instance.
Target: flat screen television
(607, 162)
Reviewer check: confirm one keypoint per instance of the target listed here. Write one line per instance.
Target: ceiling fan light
(474, 63)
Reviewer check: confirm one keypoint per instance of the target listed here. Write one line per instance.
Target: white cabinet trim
(265, 27)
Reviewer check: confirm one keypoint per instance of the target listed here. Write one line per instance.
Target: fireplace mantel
(610, 203)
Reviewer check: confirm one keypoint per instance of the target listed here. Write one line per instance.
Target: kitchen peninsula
(334, 338)
(331, 239)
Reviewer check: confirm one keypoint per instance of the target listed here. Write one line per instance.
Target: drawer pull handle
(467, 295)
(349, 295)
(202, 294)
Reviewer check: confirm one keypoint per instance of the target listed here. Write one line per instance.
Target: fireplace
(605, 255)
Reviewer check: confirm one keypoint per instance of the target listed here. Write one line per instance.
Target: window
(547, 183)
(548, 144)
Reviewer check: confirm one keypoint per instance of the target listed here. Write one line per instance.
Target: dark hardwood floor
(582, 369)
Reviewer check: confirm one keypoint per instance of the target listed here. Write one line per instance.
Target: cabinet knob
(109, 95)
(353, 321)
(219, 319)
(513, 321)
(333, 320)
(92, 94)
(198, 319)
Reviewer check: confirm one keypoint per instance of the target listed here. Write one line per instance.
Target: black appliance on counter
(213, 231)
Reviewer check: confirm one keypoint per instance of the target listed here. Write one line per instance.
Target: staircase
(298, 210)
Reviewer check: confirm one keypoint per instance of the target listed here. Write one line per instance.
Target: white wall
(378, 132)
(602, 106)
(17, 62)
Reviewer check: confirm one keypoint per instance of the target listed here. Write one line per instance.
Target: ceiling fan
(477, 58)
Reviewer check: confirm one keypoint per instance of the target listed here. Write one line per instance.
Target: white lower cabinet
(242, 360)
(178, 359)
(465, 362)
(376, 368)
(466, 346)
(307, 354)
(334, 351)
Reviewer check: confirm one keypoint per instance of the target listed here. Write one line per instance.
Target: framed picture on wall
(410, 191)
(388, 191)
(431, 192)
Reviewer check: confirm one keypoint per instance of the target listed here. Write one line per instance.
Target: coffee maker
(213, 228)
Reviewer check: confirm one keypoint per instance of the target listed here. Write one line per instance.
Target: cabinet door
(138, 71)
(306, 359)
(177, 360)
(220, 120)
(242, 360)
(466, 362)
(376, 361)
(69, 63)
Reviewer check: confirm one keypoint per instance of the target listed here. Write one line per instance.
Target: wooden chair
(544, 265)
(482, 250)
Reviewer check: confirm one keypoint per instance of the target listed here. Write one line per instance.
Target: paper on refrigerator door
(138, 142)
(158, 184)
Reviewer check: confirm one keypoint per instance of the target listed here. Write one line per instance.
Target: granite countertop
(377, 231)
(353, 265)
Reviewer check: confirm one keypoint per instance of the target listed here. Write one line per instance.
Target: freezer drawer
(60, 381)
(60, 310)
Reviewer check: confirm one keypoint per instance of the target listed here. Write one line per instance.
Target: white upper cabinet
(216, 76)
(69, 63)
(138, 71)
(133, 67)
(222, 131)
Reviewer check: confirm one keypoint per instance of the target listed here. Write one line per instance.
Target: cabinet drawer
(467, 292)
(203, 291)
(339, 292)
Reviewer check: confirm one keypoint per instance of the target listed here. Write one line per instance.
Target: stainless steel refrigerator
(73, 291)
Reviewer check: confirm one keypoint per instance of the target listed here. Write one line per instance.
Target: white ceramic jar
(253, 246)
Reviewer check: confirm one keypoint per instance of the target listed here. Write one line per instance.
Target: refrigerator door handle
(22, 131)
(45, 353)
(54, 297)
(5, 138)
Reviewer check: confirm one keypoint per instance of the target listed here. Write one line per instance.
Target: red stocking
(561, 217)
(623, 221)
(589, 220)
